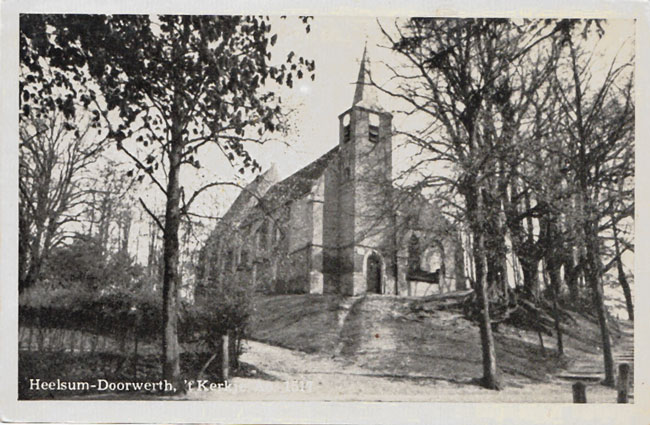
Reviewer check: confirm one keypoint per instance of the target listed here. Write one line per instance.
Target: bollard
(579, 392)
(623, 383)
(225, 361)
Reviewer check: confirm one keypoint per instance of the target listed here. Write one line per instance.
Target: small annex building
(337, 225)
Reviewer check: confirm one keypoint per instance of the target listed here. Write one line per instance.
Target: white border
(310, 412)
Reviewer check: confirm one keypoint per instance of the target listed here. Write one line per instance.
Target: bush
(116, 312)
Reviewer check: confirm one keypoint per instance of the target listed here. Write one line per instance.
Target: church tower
(365, 220)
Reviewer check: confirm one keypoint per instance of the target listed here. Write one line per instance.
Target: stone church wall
(301, 224)
(331, 228)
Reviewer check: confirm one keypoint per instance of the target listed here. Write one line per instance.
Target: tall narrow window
(230, 259)
(264, 233)
(277, 234)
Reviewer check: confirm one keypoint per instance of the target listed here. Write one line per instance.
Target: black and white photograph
(413, 208)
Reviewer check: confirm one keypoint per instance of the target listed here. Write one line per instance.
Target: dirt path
(291, 375)
(589, 367)
(377, 348)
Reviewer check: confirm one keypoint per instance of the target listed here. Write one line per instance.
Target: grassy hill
(387, 335)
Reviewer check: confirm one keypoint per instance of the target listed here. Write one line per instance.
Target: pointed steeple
(365, 94)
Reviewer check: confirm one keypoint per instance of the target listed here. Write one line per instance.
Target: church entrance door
(373, 274)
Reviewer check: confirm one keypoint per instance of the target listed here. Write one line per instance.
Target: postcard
(324, 213)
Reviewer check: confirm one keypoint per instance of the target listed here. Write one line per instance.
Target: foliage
(205, 74)
(83, 263)
(113, 313)
(173, 84)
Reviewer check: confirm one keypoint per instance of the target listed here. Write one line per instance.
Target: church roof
(250, 196)
(291, 188)
(301, 182)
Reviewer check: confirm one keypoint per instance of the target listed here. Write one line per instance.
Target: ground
(377, 348)
(368, 348)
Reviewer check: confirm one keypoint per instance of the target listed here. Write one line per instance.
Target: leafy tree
(78, 264)
(175, 84)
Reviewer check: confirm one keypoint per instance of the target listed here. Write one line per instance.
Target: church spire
(365, 94)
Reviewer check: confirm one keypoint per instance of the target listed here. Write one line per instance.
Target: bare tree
(54, 158)
(457, 79)
(597, 129)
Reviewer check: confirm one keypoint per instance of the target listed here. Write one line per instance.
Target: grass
(383, 334)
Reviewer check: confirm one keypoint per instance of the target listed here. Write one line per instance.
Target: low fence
(123, 328)
(34, 338)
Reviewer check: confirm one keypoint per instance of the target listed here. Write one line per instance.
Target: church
(338, 225)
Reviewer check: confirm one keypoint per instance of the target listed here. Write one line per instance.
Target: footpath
(590, 369)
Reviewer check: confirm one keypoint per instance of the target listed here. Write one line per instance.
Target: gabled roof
(250, 196)
(301, 182)
(291, 188)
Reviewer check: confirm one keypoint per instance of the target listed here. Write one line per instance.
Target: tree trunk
(105, 219)
(126, 220)
(622, 279)
(171, 277)
(555, 278)
(23, 249)
(593, 278)
(474, 203)
(531, 278)
(503, 276)
(626, 289)
(571, 276)
(34, 269)
(490, 377)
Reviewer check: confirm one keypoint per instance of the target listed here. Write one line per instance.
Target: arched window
(373, 274)
(244, 258)
(414, 253)
(264, 235)
(277, 235)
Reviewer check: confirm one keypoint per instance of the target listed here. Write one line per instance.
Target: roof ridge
(311, 164)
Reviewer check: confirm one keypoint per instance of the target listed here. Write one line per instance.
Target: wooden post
(579, 392)
(225, 360)
(135, 350)
(81, 341)
(623, 383)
